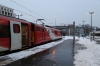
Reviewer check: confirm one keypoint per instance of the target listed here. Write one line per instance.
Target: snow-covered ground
(89, 56)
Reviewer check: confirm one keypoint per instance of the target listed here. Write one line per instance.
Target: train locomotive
(17, 33)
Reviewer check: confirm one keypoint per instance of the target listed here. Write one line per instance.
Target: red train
(17, 34)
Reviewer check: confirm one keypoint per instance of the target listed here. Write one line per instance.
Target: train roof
(13, 18)
(48, 26)
(25, 21)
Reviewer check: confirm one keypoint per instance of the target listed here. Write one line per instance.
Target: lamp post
(91, 19)
(83, 29)
(55, 21)
(19, 15)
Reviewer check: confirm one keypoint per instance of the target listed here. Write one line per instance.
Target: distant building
(62, 28)
(66, 30)
(83, 30)
(79, 30)
(7, 11)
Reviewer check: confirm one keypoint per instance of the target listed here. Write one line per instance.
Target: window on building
(10, 10)
(16, 28)
(2, 12)
(1, 8)
(7, 9)
(11, 14)
(4, 9)
(4, 31)
(6, 13)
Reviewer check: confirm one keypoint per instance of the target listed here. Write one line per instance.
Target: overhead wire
(28, 9)
(24, 7)
(25, 13)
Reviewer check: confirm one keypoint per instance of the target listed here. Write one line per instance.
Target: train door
(16, 39)
(32, 34)
(43, 34)
(25, 35)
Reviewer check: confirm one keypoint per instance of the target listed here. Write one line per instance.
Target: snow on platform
(2, 49)
(89, 56)
(7, 59)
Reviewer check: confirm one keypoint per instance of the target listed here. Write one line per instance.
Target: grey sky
(66, 11)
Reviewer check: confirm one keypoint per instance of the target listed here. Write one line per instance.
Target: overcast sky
(66, 11)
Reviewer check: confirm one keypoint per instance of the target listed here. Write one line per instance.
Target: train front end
(4, 35)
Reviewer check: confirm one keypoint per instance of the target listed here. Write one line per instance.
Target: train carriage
(19, 34)
(54, 33)
(14, 33)
(41, 34)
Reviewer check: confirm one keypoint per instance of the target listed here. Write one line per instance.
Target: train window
(52, 31)
(42, 30)
(38, 28)
(55, 32)
(60, 33)
(32, 28)
(16, 28)
(4, 31)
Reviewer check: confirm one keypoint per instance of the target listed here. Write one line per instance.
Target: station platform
(59, 55)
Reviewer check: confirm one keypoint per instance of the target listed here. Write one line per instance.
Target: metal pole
(69, 31)
(91, 22)
(73, 36)
(55, 21)
(91, 27)
(83, 29)
(73, 32)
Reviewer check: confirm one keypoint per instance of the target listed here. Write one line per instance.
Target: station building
(6, 11)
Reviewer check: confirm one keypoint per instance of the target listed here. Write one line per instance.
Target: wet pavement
(78, 47)
(60, 55)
